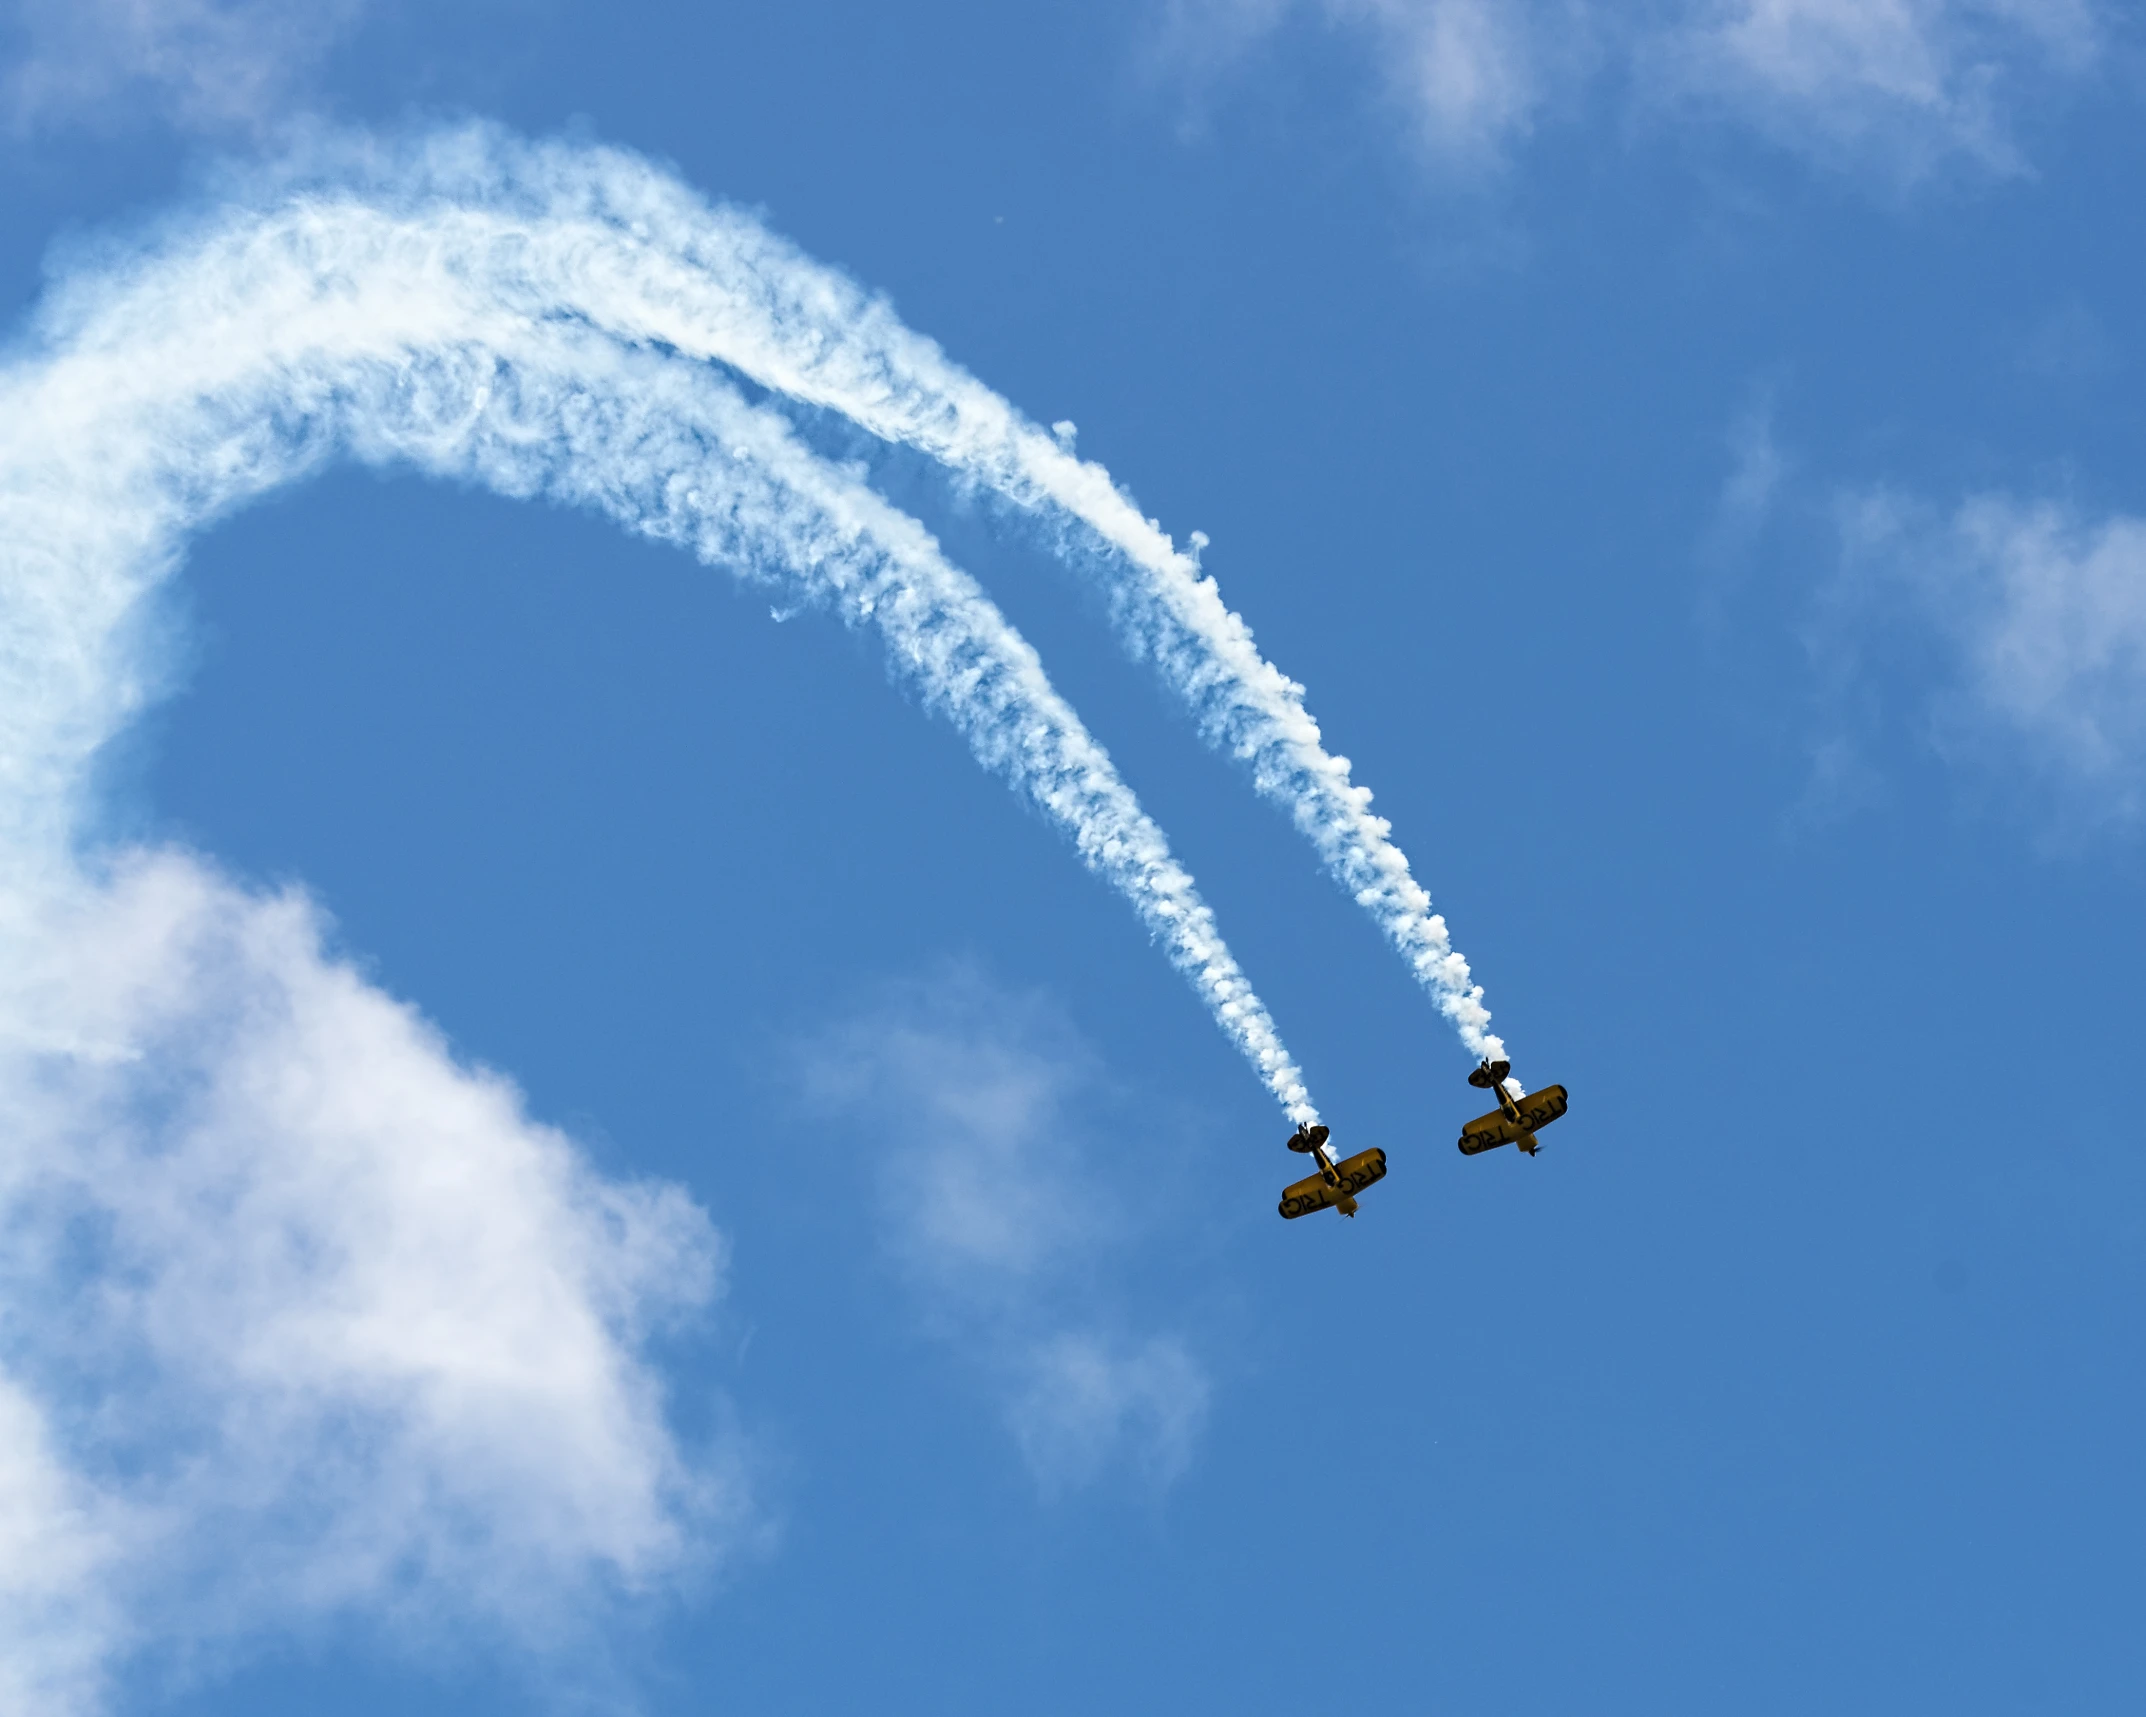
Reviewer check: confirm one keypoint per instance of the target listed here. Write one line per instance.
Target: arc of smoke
(655, 262)
(238, 357)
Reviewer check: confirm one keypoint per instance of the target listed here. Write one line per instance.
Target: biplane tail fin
(1491, 1075)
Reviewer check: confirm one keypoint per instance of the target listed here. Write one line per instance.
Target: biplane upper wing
(1355, 1173)
(1486, 1133)
(1542, 1107)
(1306, 1196)
(1537, 1110)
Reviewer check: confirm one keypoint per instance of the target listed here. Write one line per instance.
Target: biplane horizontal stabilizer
(1490, 1075)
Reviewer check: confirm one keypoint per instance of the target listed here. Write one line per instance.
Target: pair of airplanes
(1515, 1121)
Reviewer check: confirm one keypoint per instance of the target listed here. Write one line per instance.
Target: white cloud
(997, 1213)
(1757, 467)
(2040, 611)
(2010, 632)
(2070, 344)
(304, 1316)
(984, 1185)
(1758, 471)
(58, 1615)
(1471, 75)
(1088, 1400)
(1471, 69)
(1890, 89)
(207, 64)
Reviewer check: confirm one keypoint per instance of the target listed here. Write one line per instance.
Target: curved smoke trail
(652, 261)
(240, 355)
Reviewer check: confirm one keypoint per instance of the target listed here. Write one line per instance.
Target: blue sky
(568, 1149)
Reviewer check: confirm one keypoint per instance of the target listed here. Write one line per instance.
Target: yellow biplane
(1517, 1118)
(1335, 1184)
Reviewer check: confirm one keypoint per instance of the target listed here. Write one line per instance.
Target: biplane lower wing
(1537, 1110)
(1312, 1192)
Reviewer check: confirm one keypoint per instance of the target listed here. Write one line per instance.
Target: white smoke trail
(650, 260)
(228, 360)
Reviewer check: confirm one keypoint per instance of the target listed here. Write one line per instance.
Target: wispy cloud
(1759, 470)
(1000, 1211)
(2039, 611)
(2070, 344)
(1757, 467)
(1473, 72)
(305, 1317)
(211, 65)
(1892, 90)
(1891, 87)
(1089, 1401)
(2006, 634)
(1469, 77)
